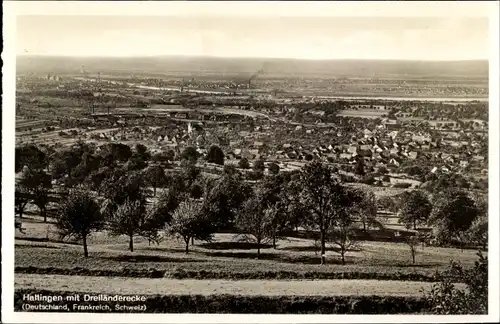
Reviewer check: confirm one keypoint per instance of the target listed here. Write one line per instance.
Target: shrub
(445, 298)
(369, 180)
(403, 185)
(243, 163)
(386, 178)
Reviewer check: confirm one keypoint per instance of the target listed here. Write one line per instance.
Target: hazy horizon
(244, 58)
(226, 36)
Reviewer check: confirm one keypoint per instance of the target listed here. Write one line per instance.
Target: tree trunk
(342, 252)
(274, 241)
(154, 191)
(364, 226)
(44, 214)
(187, 245)
(192, 241)
(413, 256)
(323, 247)
(414, 224)
(85, 251)
(131, 243)
(258, 249)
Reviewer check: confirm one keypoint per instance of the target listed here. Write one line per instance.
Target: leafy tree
(189, 222)
(243, 163)
(328, 203)
(413, 242)
(37, 183)
(275, 201)
(115, 152)
(31, 156)
(223, 197)
(343, 232)
(21, 198)
(142, 152)
(128, 219)
(121, 187)
(478, 232)
(189, 173)
(445, 299)
(453, 214)
(274, 168)
(414, 208)
(190, 154)
(215, 155)
(89, 163)
(155, 177)
(258, 165)
(79, 216)
(368, 209)
(360, 167)
(256, 220)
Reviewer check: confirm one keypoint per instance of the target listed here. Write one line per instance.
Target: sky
(402, 38)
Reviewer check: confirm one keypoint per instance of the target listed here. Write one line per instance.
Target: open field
(224, 258)
(163, 286)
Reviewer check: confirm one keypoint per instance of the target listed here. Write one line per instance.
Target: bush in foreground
(446, 299)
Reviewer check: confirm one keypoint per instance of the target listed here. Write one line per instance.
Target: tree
(445, 299)
(115, 152)
(155, 177)
(190, 154)
(37, 183)
(413, 241)
(189, 173)
(128, 219)
(223, 198)
(120, 187)
(79, 216)
(327, 202)
(243, 163)
(215, 155)
(142, 151)
(347, 212)
(21, 198)
(453, 214)
(31, 156)
(258, 165)
(255, 219)
(414, 208)
(189, 222)
(368, 209)
(360, 166)
(478, 231)
(274, 168)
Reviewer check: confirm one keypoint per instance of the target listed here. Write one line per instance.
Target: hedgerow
(259, 304)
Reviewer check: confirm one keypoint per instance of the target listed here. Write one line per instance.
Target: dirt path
(165, 286)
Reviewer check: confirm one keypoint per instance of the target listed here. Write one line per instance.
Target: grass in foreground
(225, 258)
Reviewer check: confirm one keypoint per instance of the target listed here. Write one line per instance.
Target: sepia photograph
(238, 158)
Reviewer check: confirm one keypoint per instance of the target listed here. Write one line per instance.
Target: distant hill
(192, 66)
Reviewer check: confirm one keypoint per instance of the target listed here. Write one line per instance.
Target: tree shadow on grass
(233, 246)
(166, 249)
(150, 258)
(24, 246)
(301, 259)
(416, 265)
(312, 249)
(45, 240)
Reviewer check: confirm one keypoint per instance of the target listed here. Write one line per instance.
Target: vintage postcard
(250, 162)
